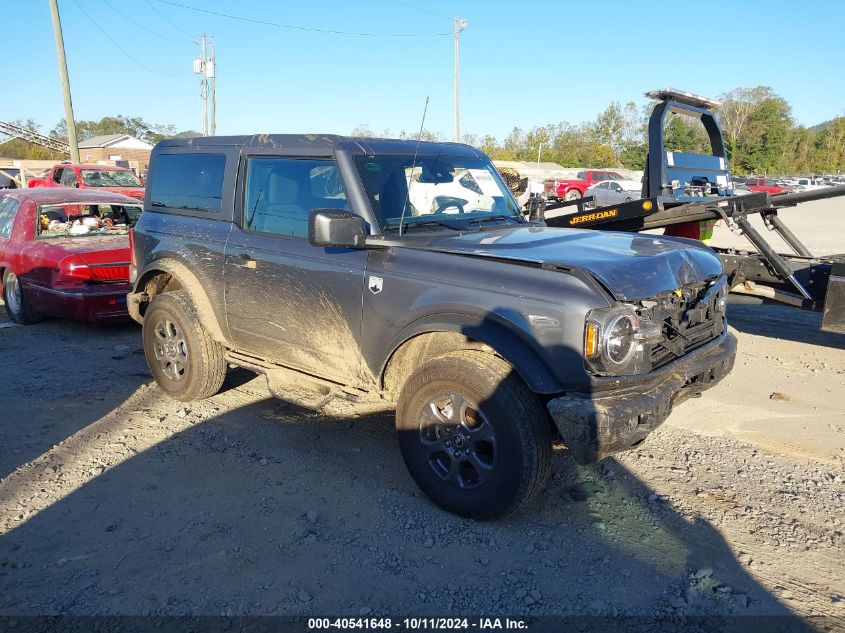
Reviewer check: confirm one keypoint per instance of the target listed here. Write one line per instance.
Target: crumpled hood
(632, 266)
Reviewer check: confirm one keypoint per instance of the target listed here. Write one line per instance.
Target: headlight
(614, 341)
(618, 341)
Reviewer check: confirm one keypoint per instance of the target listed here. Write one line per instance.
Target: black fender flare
(491, 330)
(192, 287)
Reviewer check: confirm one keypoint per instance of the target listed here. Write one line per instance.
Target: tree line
(760, 135)
(135, 126)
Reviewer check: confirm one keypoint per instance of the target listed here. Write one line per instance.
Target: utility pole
(60, 52)
(460, 25)
(539, 149)
(201, 68)
(205, 65)
(211, 73)
(204, 90)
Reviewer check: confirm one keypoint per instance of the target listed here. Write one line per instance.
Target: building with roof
(119, 149)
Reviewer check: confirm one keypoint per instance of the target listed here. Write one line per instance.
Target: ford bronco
(404, 271)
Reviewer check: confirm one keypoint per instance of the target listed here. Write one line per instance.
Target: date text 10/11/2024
(417, 623)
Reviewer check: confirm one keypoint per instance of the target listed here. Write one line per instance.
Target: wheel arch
(166, 275)
(435, 336)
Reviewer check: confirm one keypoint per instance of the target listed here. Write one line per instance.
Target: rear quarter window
(8, 210)
(188, 182)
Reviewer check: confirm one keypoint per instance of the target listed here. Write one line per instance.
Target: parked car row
(775, 186)
(574, 188)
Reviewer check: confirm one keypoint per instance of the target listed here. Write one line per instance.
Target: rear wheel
(185, 361)
(475, 439)
(17, 304)
(574, 194)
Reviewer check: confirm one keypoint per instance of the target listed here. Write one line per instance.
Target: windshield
(81, 219)
(109, 178)
(448, 190)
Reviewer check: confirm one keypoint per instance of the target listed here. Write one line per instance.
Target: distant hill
(821, 126)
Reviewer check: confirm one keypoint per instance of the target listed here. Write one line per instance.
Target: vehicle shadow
(271, 509)
(48, 401)
(783, 322)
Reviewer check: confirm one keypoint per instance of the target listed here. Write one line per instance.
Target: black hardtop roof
(292, 143)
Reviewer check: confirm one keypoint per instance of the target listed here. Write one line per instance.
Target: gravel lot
(116, 500)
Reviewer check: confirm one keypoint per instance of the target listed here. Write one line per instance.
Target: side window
(8, 209)
(190, 182)
(57, 175)
(68, 177)
(280, 193)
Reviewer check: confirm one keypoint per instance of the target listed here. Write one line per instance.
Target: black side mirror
(336, 227)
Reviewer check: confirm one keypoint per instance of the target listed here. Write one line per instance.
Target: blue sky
(523, 63)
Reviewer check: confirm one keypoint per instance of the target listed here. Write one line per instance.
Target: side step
(300, 388)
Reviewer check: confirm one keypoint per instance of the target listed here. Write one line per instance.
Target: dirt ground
(116, 500)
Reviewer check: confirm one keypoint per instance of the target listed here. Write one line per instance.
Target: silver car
(611, 192)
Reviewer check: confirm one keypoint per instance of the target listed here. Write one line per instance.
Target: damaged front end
(645, 357)
(637, 337)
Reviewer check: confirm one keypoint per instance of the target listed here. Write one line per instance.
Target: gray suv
(404, 271)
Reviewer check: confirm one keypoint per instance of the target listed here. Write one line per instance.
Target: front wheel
(183, 358)
(475, 439)
(19, 308)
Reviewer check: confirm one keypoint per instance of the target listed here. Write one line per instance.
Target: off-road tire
(574, 194)
(521, 459)
(203, 362)
(20, 310)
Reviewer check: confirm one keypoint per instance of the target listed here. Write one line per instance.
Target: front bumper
(595, 425)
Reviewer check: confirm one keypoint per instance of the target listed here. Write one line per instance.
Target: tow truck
(681, 187)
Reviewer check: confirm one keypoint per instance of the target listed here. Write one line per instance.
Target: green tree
(830, 147)
(134, 126)
(685, 134)
(17, 148)
(768, 128)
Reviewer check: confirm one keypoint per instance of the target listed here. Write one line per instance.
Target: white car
(808, 184)
(610, 192)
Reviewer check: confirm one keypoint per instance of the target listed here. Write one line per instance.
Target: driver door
(297, 304)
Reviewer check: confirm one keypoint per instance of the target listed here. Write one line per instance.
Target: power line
(123, 50)
(297, 28)
(144, 27)
(171, 22)
(411, 6)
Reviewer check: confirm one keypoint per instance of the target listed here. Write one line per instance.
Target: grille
(688, 322)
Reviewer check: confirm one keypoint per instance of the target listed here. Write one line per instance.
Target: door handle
(247, 261)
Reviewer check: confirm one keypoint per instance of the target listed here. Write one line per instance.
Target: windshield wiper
(493, 218)
(448, 225)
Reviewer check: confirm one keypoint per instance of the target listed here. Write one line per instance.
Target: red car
(572, 189)
(764, 184)
(100, 177)
(65, 253)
